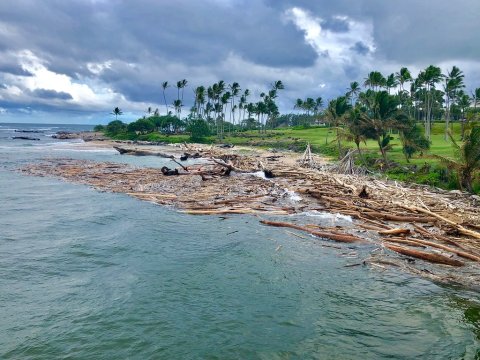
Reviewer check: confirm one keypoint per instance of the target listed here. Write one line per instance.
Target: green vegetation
(406, 127)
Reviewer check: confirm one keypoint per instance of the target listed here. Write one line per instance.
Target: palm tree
(164, 87)
(431, 76)
(403, 76)
(177, 104)
(381, 115)
(246, 94)
(225, 100)
(467, 157)
(199, 100)
(453, 83)
(336, 112)
(391, 82)
(235, 90)
(318, 105)
(463, 103)
(278, 85)
(179, 86)
(298, 104)
(117, 112)
(184, 85)
(375, 80)
(357, 131)
(476, 97)
(353, 91)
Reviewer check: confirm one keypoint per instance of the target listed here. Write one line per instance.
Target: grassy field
(422, 168)
(321, 137)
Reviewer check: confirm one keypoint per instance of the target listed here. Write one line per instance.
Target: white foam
(259, 174)
(325, 215)
(293, 195)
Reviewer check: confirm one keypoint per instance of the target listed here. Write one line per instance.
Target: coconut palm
(391, 82)
(463, 102)
(184, 85)
(431, 76)
(177, 105)
(199, 100)
(178, 86)
(235, 90)
(403, 76)
(467, 160)
(375, 80)
(381, 115)
(164, 87)
(356, 130)
(476, 97)
(318, 105)
(117, 112)
(278, 85)
(353, 91)
(336, 112)
(453, 83)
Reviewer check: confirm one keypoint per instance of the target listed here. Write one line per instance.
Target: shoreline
(432, 227)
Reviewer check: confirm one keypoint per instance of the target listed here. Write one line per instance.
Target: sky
(73, 61)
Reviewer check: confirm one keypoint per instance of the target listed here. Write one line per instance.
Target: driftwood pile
(435, 226)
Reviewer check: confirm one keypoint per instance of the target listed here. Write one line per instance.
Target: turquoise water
(90, 275)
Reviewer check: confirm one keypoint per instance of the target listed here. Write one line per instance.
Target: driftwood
(347, 238)
(399, 218)
(25, 138)
(434, 258)
(406, 242)
(459, 227)
(377, 208)
(138, 152)
(463, 254)
(235, 211)
(394, 232)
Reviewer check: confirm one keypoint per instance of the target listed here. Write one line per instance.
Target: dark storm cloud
(409, 31)
(134, 45)
(361, 48)
(51, 94)
(14, 70)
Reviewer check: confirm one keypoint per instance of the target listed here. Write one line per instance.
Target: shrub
(198, 130)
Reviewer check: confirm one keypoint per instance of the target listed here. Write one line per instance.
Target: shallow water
(85, 274)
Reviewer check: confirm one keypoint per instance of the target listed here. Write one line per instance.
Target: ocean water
(94, 275)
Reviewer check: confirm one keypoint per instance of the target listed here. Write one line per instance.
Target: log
(25, 138)
(137, 152)
(398, 231)
(398, 218)
(459, 227)
(463, 254)
(403, 241)
(234, 211)
(346, 238)
(423, 255)
(429, 235)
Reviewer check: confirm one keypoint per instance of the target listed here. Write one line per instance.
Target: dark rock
(168, 172)
(25, 138)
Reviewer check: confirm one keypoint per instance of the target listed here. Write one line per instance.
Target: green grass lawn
(320, 137)
(323, 142)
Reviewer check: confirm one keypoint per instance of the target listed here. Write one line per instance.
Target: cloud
(90, 56)
(52, 94)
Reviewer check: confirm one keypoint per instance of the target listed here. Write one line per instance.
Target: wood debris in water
(402, 219)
